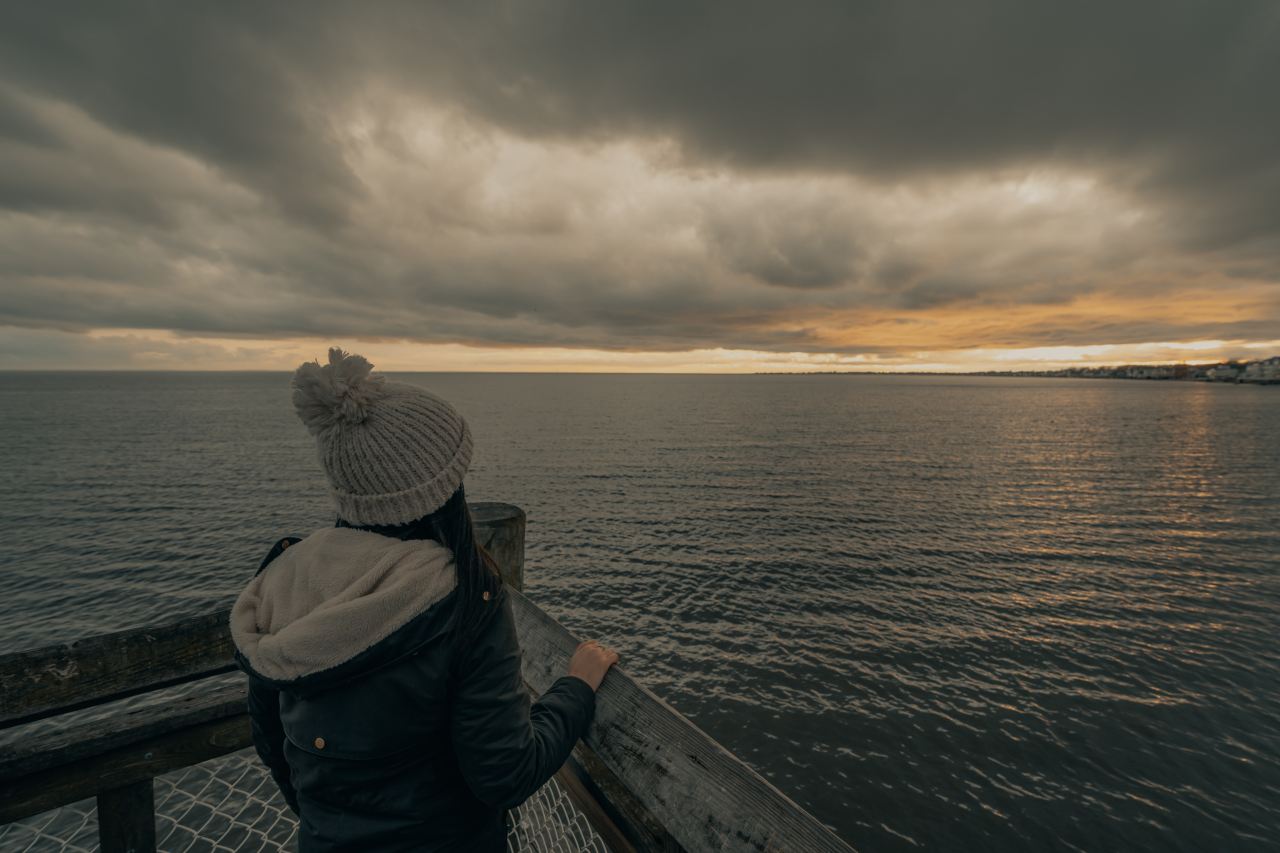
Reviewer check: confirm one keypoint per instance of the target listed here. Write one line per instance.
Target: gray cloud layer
(643, 176)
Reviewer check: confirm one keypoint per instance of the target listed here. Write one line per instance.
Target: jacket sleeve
(507, 747)
(268, 736)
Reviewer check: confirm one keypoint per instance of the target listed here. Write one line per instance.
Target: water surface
(939, 612)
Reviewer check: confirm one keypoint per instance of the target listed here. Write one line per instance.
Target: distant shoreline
(1263, 372)
(998, 374)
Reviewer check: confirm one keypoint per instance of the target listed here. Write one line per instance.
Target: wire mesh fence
(231, 804)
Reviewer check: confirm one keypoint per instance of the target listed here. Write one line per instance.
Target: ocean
(941, 613)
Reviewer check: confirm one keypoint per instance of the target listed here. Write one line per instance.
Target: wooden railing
(644, 776)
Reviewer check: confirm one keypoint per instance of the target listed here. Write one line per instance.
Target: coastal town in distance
(1263, 372)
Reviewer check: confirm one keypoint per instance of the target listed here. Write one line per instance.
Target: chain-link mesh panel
(232, 804)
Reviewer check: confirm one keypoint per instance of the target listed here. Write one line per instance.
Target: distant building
(1262, 371)
(1224, 372)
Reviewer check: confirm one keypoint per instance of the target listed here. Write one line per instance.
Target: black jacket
(398, 744)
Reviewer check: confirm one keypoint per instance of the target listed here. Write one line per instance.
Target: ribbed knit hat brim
(411, 503)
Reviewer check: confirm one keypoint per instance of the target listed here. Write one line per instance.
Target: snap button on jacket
(378, 734)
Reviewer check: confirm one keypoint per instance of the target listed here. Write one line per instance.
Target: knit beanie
(392, 452)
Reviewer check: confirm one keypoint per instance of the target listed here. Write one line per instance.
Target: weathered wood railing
(645, 777)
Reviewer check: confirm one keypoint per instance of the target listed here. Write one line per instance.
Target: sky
(645, 186)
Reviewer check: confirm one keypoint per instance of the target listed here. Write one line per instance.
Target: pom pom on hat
(391, 451)
(339, 392)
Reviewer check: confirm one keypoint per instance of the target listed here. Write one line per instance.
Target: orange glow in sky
(164, 350)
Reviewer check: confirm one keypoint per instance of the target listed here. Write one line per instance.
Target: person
(385, 693)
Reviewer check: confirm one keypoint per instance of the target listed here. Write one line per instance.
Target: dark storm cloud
(793, 242)
(886, 85)
(931, 292)
(211, 80)
(248, 169)
(1176, 96)
(879, 87)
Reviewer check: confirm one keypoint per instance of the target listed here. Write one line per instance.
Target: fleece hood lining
(334, 595)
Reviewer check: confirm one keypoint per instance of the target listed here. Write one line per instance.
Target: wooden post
(500, 530)
(127, 818)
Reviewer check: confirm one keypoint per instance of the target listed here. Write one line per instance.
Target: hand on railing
(591, 661)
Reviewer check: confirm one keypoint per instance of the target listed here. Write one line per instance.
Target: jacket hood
(338, 604)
